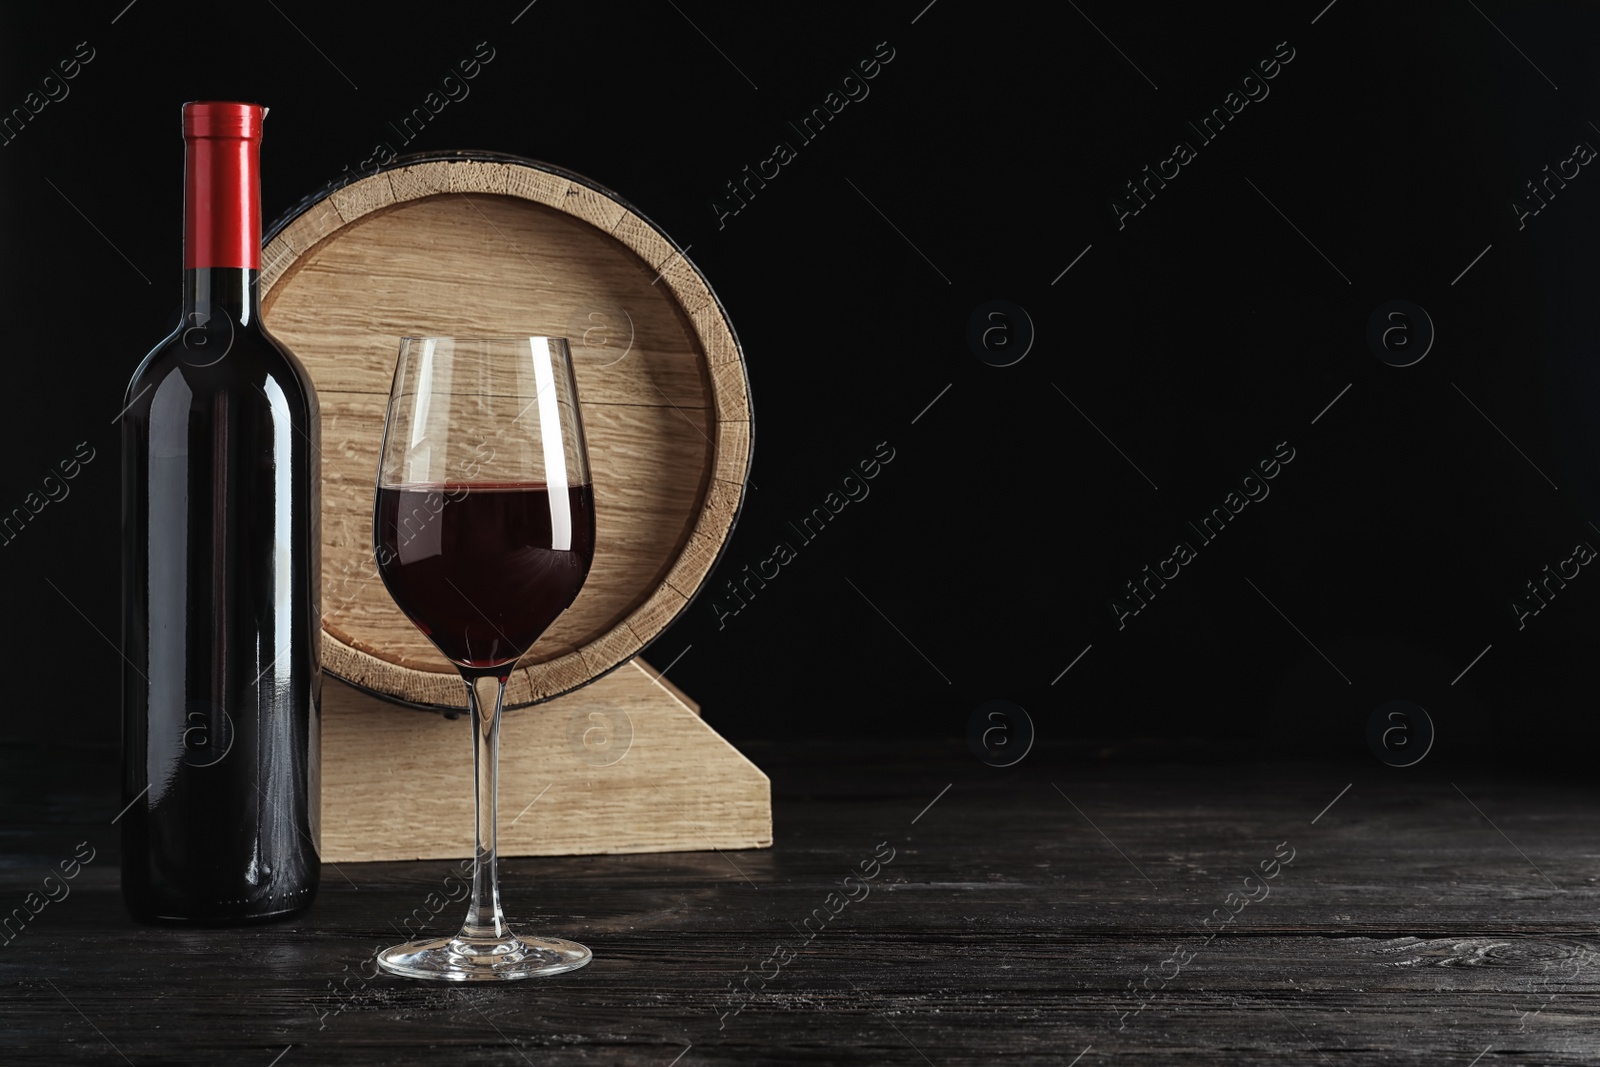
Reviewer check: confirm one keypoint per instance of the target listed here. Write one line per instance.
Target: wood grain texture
(1010, 927)
(621, 765)
(491, 248)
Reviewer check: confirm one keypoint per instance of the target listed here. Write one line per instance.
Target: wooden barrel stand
(478, 245)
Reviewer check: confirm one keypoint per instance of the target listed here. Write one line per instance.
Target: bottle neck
(221, 202)
(229, 291)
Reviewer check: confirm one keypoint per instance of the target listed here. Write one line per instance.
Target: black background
(1212, 326)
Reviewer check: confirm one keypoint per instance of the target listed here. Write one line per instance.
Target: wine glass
(484, 532)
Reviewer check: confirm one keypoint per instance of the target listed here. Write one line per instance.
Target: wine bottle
(221, 575)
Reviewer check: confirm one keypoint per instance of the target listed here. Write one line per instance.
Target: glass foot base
(471, 959)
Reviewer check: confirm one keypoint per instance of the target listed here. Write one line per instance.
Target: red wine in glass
(484, 531)
(479, 567)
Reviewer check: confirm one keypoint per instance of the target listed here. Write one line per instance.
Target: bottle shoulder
(152, 367)
(220, 358)
(302, 376)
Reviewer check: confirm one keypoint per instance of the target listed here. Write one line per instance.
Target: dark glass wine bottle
(221, 575)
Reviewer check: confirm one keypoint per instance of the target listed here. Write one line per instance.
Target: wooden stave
(722, 357)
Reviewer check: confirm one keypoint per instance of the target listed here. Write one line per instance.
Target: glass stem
(484, 920)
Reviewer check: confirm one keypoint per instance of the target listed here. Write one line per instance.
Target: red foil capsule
(222, 184)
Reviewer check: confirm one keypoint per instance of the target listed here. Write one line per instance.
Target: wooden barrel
(476, 244)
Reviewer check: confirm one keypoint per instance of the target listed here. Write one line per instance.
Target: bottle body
(221, 617)
(221, 682)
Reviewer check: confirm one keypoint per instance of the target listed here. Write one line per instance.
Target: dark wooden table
(1051, 913)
